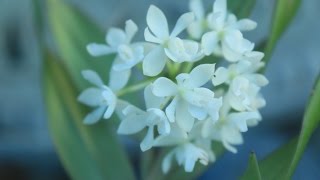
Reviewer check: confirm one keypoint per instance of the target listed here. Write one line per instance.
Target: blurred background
(26, 149)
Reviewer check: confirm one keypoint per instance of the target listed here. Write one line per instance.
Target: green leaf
(242, 9)
(72, 31)
(284, 13)
(311, 121)
(253, 171)
(87, 152)
(275, 165)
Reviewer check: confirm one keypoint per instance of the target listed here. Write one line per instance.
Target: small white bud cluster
(186, 108)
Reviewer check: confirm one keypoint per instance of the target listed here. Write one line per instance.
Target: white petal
(166, 163)
(119, 79)
(199, 96)
(112, 103)
(164, 127)
(164, 87)
(200, 75)
(91, 97)
(189, 164)
(232, 46)
(240, 119)
(94, 116)
(196, 30)
(150, 37)
(207, 128)
(197, 112)
(220, 6)
(147, 142)
(157, 22)
(209, 42)
(132, 124)
(192, 154)
(183, 22)
(154, 62)
(115, 37)
(196, 6)
(232, 136)
(176, 136)
(246, 25)
(220, 76)
(92, 77)
(95, 49)
(254, 56)
(151, 100)
(183, 117)
(213, 108)
(171, 110)
(131, 29)
(257, 79)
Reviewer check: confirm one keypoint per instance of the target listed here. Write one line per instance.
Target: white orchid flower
(119, 42)
(128, 55)
(101, 97)
(243, 95)
(187, 155)
(190, 100)
(225, 37)
(244, 69)
(135, 120)
(169, 45)
(227, 133)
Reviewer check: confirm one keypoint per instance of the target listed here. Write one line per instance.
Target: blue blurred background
(26, 150)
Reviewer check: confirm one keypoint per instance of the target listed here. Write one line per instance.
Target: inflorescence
(189, 103)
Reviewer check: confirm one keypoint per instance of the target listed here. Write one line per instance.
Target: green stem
(187, 68)
(134, 88)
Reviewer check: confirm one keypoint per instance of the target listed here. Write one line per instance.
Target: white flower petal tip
(154, 62)
(157, 22)
(182, 23)
(94, 116)
(246, 25)
(163, 87)
(95, 49)
(220, 76)
(92, 77)
(209, 42)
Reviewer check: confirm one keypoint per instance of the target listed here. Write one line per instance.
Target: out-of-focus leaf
(284, 13)
(311, 121)
(87, 152)
(242, 9)
(253, 171)
(282, 163)
(72, 31)
(276, 164)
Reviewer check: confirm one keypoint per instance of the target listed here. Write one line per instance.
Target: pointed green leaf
(275, 165)
(284, 13)
(80, 147)
(72, 31)
(253, 171)
(311, 121)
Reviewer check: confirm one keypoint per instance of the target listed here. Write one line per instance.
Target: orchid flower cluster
(189, 104)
